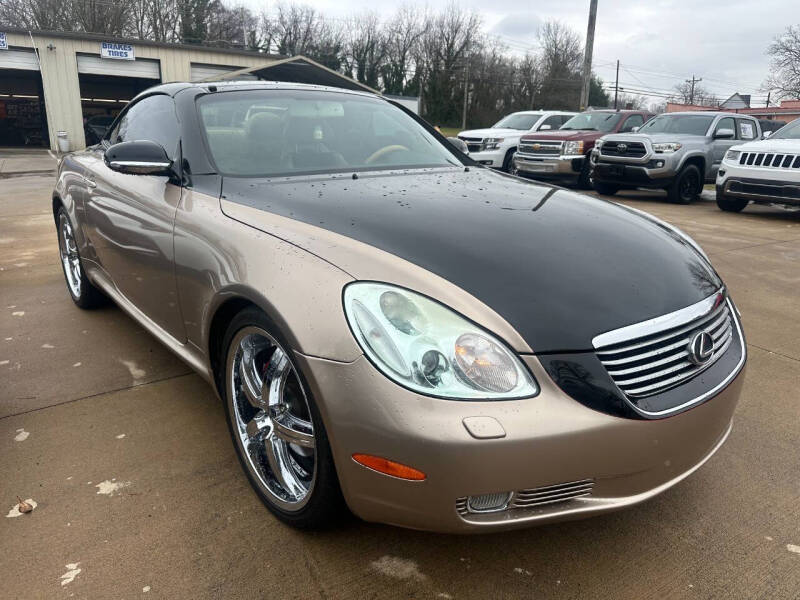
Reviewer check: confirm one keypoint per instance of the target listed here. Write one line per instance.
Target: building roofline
(102, 37)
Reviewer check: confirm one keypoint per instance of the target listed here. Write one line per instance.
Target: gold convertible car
(391, 327)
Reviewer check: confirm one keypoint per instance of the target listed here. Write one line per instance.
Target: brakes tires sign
(116, 51)
(3, 41)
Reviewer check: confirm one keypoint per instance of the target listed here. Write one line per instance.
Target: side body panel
(129, 221)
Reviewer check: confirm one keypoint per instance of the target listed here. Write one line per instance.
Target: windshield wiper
(567, 129)
(588, 129)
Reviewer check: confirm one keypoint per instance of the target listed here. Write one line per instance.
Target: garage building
(53, 82)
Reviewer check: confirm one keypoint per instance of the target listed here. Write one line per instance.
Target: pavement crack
(774, 352)
(95, 395)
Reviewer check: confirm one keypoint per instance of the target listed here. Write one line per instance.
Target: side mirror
(634, 130)
(545, 127)
(459, 144)
(767, 134)
(138, 158)
(724, 134)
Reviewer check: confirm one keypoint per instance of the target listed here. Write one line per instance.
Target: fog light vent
(488, 502)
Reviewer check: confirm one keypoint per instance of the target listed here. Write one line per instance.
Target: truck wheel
(584, 179)
(729, 204)
(508, 163)
(606, 189)
(686, 186)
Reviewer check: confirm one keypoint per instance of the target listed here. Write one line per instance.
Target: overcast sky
(722, 41)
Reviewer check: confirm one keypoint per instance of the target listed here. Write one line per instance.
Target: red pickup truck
(564, 154)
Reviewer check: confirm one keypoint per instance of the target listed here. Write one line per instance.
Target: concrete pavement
(139, 493)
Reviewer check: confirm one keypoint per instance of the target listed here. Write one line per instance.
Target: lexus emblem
(621, 148)
(701, 348)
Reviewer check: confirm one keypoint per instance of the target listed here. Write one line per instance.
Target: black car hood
(561, 267)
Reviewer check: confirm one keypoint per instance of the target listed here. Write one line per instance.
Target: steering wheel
(381, 152)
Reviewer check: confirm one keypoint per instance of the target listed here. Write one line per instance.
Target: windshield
(788, 132)
(593, 121)
(521, 121)
(289, 132)
(688, 124)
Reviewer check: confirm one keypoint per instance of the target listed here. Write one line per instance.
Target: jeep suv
(564, 154)
(676, 152)
(495, 146)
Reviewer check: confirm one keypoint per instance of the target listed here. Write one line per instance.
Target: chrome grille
(660, 359)
(772, 160)
(473, 144)
(532, 497)
(539, 148)
(623, 148)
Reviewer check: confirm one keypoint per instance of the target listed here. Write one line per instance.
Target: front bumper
(770, 187)
(550, 439)
(637, 175)
(490, 158)
(549, 167)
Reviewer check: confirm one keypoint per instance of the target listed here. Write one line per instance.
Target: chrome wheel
(271, 418)
(69, 255)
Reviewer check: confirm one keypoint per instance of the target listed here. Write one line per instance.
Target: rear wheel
(81, 290)
(606, 189)
(276, 427)
(729, 204)
(686, 187)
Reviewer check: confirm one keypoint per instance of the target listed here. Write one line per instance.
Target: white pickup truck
(763, 172)
(495, 146)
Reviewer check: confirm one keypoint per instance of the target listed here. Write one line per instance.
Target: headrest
(264, 126)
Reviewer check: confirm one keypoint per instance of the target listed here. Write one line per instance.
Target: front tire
(585, 176)
(82, 291)
(686, 187)
(275, 425)
(508, 162)
(606, 189)
(729, 204)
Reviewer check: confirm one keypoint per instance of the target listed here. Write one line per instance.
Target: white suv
(495, 147)
(765, 172)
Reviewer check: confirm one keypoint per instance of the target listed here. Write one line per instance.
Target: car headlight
(425, 346)
(667, 147)
(573, 148)
(732, 155)
(493, 143)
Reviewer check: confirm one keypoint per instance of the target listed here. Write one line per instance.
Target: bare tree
(784, 78)
(700, 96)
(49, 15)
(366, 49)
(561, 60)
(403, 34)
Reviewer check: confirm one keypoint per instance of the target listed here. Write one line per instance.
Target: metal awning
(297, 69)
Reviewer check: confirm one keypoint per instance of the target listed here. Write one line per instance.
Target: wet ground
(138, 491)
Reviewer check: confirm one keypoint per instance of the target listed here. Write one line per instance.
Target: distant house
(737, 101)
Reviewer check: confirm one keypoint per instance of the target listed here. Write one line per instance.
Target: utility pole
(587, 55)
(768, 95)
(693, 80)
(466, 91)
(616, 86)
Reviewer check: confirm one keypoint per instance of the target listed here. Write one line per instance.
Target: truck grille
(629, 149)
(540, 148)
(770, 159)
(652, 363)
(474, 144)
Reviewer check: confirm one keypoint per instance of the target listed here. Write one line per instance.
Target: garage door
(19, 59)
(144, 68)
(210, 72)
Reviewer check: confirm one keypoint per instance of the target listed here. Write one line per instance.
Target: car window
(747, 129)
(593, 121)
(633, 121)
(152, 118)
(553, 121)
(726, 123)
(565, 118)
(788, 132)
(678, 123)
(521, 121)
(310, 131)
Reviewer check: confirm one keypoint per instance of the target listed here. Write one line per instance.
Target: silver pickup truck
(678, 152)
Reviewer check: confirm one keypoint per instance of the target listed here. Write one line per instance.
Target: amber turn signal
(389, 467)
